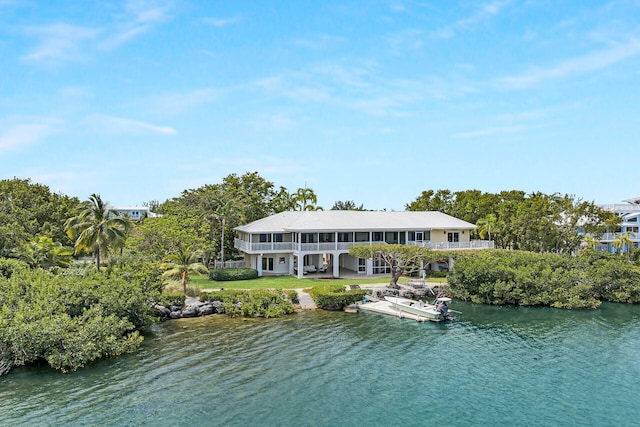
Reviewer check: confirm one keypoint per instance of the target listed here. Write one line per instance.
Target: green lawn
(282, 282)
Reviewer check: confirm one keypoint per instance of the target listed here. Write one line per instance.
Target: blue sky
(370, 101)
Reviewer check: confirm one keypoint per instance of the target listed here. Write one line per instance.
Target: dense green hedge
(172, 298)
(335, 297)
(228, 274)
(8, 266)
(69, 321)
(527, 278)
(254, 303)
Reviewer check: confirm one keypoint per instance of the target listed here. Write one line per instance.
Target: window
(391, 237)
(362, 265)
(453, 237)
(278, 237)
(265, 238)
(267, 264)
(309, 238)
(377, 236)
(281, 260)
(326, 237)
(345, 237)
(362, 236)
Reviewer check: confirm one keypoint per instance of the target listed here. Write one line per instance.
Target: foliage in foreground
(334, 297)
(70, 320)
(255, 303)
(504, 277)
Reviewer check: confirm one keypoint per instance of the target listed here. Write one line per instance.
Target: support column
(259, 265)
(291, 261)
(300, 274)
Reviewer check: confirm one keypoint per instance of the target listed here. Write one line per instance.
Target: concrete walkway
(306, 302)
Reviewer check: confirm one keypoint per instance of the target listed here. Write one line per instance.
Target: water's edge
(492, 365)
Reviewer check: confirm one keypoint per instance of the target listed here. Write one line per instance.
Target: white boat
(437, 311)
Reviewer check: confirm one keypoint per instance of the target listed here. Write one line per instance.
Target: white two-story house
(298, 243)
(629, 213)
(134, 213)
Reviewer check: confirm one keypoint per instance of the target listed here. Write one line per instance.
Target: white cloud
(19, 133)
(484, 12)
(62, 42)
(221, 22)
(139, 17)
(113, 124)
(581, 65)
(59, 42)
(178, 103)
(493, 131)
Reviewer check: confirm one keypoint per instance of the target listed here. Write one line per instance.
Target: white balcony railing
(344, 246)
(610, 237)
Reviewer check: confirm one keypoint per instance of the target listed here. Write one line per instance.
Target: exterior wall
(281, 263)
(441, 236)
(349, 261)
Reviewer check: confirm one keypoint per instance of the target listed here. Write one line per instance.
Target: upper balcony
(279, 247)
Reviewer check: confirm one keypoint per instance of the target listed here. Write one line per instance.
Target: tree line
(516, 220)
(45, 229)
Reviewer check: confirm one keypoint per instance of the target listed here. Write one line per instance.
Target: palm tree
(623, 241)
(96, 229)
(305, 200)
(43, 252)
(486, 224)
(181, 264)
(222, 212)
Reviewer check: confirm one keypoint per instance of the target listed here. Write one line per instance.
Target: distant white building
(133, 212)
(629, 212)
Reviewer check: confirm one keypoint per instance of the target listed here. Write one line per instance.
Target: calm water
(491, 366)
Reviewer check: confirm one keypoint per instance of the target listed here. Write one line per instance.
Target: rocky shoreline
(190, 309)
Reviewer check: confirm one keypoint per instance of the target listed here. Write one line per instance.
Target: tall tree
(283, 201)
(28, 210)
(224, 210)
(486, 225)
(347, 205)
(401, 259)
(306, 200)
(96, 230)
(440, 201)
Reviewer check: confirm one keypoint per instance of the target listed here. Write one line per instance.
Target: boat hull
(409, 306)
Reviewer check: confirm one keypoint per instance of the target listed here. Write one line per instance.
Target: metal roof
(328, 221)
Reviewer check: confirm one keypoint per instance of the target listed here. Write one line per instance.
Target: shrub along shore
(584, 280)
(70, 317)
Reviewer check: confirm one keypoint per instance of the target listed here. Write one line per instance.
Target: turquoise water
(493, 365)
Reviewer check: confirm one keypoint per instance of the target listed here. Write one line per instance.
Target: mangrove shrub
(254, 303)
(69, 321)
(330, 297)
(504, 277)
